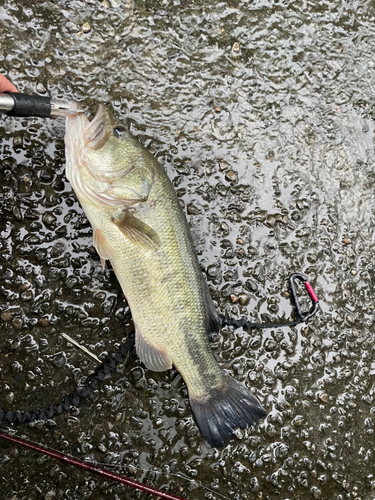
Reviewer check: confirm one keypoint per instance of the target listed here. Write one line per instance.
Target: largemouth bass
(138, 225)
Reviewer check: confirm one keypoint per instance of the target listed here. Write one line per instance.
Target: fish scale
(140, 227)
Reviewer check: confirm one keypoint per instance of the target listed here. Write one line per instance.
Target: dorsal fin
(213, 322)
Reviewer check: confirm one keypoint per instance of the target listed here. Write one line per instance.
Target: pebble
(72, 421)
(137, 373)
(298, 421)
(244, 298)
(270, 345)
(192, 209)
(184, 451)
(49, 219)
(7, 315)
(212, 271)
(59, 359)
(271, 431)
(316, 492)
(25, 184)
(17, 323)
(159, 422)
(9, 398)
(26, 296)
(324, 398)
(193, 485)
(255, 342)
(231, 175)
(41, 89)
(307, 444)
(86, 27)
(46, 176)
(71, 282)
(81, 437)
(44, 321)
(17, 213)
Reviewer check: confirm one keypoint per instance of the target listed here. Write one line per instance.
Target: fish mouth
(81, 136)
(96, 132)
(76, 121)
(81, 133)
(93, 134)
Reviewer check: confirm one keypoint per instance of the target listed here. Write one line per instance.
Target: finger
(6, 86)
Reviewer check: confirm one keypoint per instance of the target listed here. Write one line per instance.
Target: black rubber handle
(30, 105)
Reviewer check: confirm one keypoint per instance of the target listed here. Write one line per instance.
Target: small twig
(86, 351)
(89, 467)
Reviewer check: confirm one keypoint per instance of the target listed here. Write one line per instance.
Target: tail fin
(225, 409)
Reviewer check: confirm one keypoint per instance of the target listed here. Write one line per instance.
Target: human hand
(6, 86)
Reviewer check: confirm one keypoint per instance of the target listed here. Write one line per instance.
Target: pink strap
(311, 292)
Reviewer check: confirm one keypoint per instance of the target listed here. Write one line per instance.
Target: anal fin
(154, 359)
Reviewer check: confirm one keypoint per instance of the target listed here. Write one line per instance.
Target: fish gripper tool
(30, 105)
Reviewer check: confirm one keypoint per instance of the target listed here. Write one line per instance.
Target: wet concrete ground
(262, 114)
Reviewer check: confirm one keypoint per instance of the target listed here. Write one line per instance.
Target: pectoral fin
(137, 231)
(155, 359)
(102, 247)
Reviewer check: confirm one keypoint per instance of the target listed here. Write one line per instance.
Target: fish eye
(118, 131)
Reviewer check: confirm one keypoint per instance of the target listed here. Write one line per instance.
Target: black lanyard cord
(122, 355)
(302, 317)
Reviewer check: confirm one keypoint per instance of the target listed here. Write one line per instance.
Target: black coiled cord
(78, 394)
(123, 353)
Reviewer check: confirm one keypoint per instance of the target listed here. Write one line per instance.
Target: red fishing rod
(89, 467)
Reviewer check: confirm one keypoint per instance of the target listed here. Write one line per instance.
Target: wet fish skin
(138, 224)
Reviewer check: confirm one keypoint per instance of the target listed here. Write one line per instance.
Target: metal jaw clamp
(25, 105)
